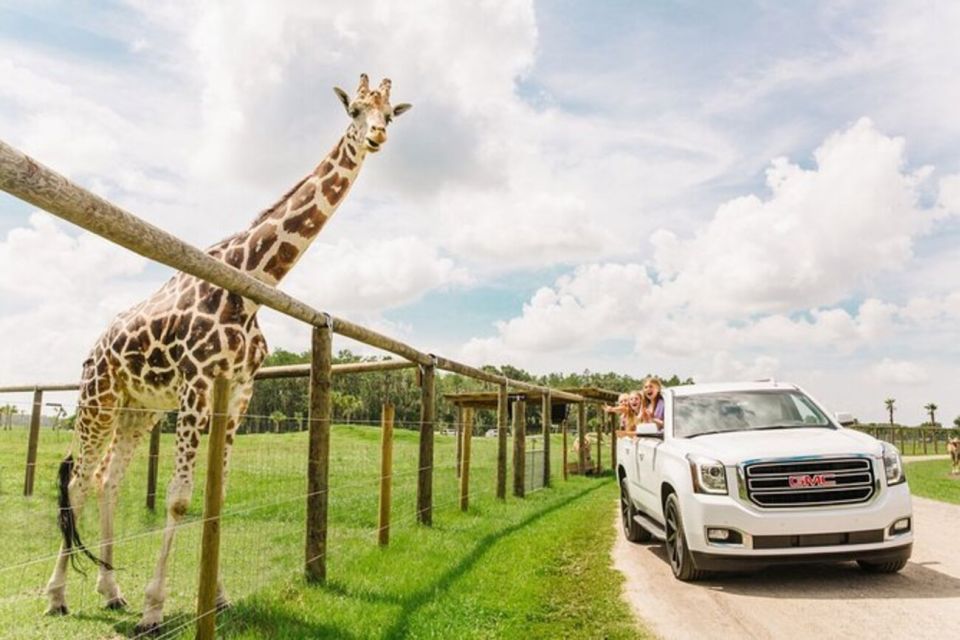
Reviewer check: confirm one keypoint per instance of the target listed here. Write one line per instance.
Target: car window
(744, 410)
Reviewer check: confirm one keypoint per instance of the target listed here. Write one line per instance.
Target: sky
(725, 191)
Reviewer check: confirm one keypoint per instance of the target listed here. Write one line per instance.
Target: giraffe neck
(280, 235)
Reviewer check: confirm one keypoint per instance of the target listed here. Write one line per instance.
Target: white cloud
(900, 372)
(572, 315)
(345, 278)
(822, 233)
(42, 261)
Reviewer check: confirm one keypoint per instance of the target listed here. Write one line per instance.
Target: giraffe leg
(194, 416)
(94, 423)
(130, 430)
(239, 400)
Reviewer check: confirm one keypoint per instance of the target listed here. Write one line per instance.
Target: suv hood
(740, 446)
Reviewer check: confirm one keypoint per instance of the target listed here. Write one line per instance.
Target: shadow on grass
(270, 621)
(412, 603)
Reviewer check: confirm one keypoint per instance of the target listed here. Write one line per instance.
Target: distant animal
(953, 448)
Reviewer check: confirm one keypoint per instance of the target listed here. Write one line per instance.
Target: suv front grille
(808, 482)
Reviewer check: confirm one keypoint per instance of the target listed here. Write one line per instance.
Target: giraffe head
(371, 111)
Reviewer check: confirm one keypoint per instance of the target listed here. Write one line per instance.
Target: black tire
(678, 553)
(631, 530)
(882, 567)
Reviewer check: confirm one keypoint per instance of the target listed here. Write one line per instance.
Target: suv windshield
(698, 415)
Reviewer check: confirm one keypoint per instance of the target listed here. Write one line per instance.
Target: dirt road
(822, 601)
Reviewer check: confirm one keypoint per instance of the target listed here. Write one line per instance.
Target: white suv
(749, 475)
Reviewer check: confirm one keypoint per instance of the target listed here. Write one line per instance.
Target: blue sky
(722, 190)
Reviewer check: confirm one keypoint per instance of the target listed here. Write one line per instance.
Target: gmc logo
(809, 481)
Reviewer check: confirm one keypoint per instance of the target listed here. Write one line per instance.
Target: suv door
(645, 456)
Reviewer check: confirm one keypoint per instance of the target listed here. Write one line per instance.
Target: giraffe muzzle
(372, 145)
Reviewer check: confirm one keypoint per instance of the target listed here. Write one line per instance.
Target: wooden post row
(153, 463)
(502, 442)
(386, 473)
(467, 436)
(318, 452)
(32, 442)
(427, 417)
(546, 409)
(519, 447)
(582, 437)
(212, 506)
(563, 429)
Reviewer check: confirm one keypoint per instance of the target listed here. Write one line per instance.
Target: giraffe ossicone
(164, 354)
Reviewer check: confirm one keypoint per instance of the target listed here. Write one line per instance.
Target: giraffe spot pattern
(334, 188)
(260, 242)
(280, 263)
(306, 223)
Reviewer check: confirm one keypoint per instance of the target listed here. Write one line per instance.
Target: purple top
(658, 409)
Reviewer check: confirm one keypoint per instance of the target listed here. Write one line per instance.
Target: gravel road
(819, 601)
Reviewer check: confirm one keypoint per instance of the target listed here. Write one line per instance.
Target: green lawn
(932, 479)
(525, 568)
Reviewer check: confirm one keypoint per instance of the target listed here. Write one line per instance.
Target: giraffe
(165, 352)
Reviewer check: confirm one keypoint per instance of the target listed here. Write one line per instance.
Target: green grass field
(537, 567)
(932, 479)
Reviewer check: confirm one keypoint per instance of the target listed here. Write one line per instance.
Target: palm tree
(890, 402)
(932, 410)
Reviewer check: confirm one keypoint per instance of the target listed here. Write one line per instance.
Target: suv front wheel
(681, 562)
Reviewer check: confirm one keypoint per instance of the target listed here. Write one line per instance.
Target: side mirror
(845, 419)
(649, 430)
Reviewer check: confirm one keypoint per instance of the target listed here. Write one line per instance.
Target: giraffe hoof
(146, 629)
(116, 604)
(60, 610)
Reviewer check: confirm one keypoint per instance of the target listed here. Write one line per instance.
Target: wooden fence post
(582, 437)
(427, 417)
(546, 410)
(318, 462)
(519, 448)
(212, 505)
(612, 422)
(563, 429)
(386, 473)
(599, 439)
(467, 436)
(458, 430)
(32, 442)
(502, 442)
(153, 462)
(923, 434)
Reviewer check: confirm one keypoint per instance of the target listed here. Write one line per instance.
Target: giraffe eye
(388, 119)
(354, 112)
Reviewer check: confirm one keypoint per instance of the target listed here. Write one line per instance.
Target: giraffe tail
(67, 521)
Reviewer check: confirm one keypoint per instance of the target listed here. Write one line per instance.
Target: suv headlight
(709, 475)
(893, 465)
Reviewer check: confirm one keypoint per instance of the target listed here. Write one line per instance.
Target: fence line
(29, 180)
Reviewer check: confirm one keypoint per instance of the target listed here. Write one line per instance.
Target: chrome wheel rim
(624, 510)
(674, 540)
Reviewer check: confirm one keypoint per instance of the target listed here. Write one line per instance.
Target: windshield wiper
(710, 433)
(771, 427)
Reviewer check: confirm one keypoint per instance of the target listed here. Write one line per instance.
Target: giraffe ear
(344, 98)
(401, 108)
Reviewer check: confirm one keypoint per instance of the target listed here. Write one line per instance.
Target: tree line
(282, 404)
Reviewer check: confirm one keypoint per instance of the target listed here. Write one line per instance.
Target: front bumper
(728, 562)
(791, 525)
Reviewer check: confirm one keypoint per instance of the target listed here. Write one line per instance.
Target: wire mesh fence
(262, 521)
